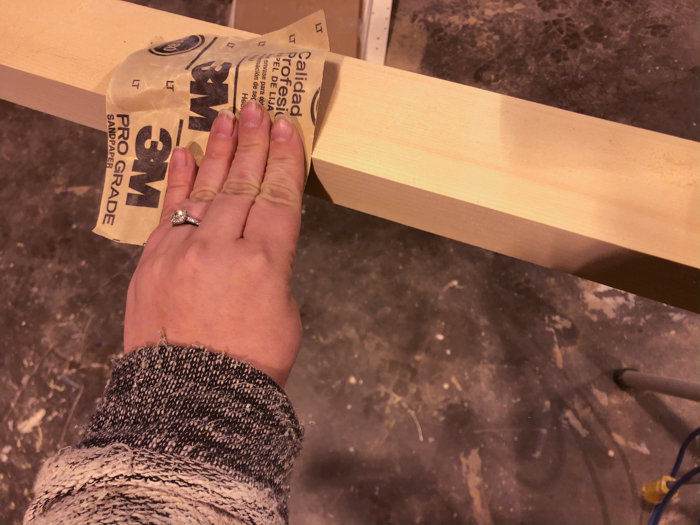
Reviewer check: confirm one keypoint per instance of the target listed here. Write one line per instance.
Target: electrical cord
(659, 509)
(679, 459)
(683, 480)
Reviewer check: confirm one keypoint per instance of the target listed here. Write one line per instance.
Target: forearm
(182, 435)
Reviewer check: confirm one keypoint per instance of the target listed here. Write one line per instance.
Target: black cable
(659, 509)
(676, 467)
(693, 481)
(685, 479)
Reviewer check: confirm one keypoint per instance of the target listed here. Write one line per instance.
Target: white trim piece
(232, 14)
(374, 35)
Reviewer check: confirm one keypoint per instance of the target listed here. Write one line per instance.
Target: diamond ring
(181, 217)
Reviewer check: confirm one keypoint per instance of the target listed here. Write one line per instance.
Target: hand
(225, 284)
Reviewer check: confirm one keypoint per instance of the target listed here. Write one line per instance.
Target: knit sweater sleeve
(182, 435)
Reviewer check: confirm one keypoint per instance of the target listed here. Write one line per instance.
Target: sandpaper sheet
(169, 95)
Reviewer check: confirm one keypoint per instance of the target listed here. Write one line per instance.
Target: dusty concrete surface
(439, 383)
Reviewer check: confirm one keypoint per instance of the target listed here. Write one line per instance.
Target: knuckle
(252, 146)
(152, 272)
(157, 267)
(288, 168)
(287, 155)
(241, 185)
(176, 185)
(203, 194)
(194, 257)
(277, 192)
(259, 262)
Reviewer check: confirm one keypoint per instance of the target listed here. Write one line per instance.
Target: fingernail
(224, 123)
(179, 158)
(282, 128)
(251, 114)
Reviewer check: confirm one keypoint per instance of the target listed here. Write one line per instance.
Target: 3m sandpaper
(169, 95)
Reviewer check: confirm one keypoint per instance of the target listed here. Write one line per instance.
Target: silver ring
(181, 217)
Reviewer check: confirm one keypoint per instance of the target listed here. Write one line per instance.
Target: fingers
(181, 175)
(217, 158)
(263, 188)
(229, 211)
(275, 217)
(211, 175)
(180, 180)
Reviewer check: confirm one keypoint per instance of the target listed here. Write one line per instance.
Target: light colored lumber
(552, 187)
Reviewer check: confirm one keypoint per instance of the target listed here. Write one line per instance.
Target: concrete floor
(438, 382)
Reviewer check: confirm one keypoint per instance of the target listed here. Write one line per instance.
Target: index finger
(275, 217)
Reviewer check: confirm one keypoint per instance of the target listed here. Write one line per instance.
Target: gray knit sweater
(182, 435)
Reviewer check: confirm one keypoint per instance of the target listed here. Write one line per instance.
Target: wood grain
(563, 190)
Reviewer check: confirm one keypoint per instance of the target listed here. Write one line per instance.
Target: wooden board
(265, 16)
(570, 192)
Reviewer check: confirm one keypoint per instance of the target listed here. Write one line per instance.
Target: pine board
(563, 190)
